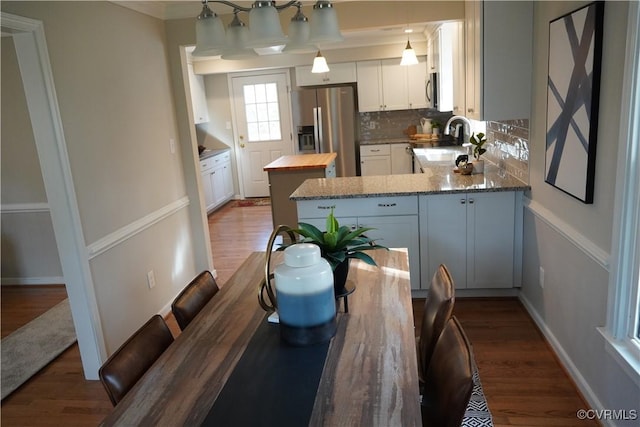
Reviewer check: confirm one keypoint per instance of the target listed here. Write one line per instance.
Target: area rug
(34, 345)
(477, 413)
(258, 201)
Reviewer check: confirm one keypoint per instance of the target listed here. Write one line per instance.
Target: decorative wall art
(573, 89)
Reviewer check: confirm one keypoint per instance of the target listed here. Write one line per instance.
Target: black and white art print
(573, 88)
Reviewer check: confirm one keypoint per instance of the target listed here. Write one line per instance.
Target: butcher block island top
(301, 161)
(435, 180)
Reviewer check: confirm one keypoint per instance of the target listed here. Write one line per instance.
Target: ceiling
(179, 9)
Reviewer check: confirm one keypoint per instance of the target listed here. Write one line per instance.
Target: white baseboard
(564, 358)
(51, 280)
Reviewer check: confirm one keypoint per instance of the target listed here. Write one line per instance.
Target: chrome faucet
(466, 127)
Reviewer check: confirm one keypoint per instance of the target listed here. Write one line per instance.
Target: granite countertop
(210, 153)
(435, 180)
(301, 161)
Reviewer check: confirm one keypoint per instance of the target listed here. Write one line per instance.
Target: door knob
(241, 145)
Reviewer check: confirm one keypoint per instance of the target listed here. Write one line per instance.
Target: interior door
(263, 127)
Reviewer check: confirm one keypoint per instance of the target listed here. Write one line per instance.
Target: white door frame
(42, 102)
(234, 120)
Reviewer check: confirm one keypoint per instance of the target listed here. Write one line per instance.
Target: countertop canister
(306, 300)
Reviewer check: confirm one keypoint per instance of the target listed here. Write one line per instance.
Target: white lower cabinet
(395, 220)
(478, 236)
(385, 159)
(401, 159)
(217, 180)
(475, 235)
(375, 159)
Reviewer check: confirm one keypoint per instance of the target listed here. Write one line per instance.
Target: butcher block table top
(370, 374)
(301, 161)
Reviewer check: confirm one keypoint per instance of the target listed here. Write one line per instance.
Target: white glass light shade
(319, 64)
(237, 38)
(298, 35)
(210, 37)
(264, 25)
(324, 24)
(408, 55)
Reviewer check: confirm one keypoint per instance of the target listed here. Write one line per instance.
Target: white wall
(112, 79)
(570, 240)
(29, 252)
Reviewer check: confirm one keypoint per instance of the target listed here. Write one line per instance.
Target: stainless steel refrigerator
(324, 119)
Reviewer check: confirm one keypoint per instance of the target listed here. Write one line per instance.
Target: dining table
(230, 367)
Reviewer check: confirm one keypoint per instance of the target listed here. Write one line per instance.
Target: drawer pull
(463, 201)
(327, 207)
(386, 205)
(471, 201)
(375, 151)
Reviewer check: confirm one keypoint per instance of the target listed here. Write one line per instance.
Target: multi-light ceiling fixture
(264, 33)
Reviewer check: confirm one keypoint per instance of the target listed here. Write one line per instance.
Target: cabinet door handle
(386, 205)
(463, 201)
(471, 201)
(327, 207)
(470, 110)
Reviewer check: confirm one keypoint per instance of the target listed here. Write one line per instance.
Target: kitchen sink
(439, 154)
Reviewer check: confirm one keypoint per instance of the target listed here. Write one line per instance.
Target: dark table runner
(272, 384)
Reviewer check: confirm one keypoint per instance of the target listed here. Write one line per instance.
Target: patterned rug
(34, 345)
(477, 413)
(256, 201)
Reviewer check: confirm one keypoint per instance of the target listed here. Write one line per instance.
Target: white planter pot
(478, 166)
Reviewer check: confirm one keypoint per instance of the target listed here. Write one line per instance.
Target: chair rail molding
(17, 208)
(571, 234)
(117, 237)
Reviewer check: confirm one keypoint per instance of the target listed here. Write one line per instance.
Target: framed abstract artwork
(573, 90)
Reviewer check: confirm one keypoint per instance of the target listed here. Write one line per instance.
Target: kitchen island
(471, 223)
(286, 173)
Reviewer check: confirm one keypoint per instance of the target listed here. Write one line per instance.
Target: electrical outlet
(172, 145)
(151, 279)
(541, 278)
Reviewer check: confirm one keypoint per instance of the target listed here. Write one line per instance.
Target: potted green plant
(338, 244)
(435, 127)
(478, 142)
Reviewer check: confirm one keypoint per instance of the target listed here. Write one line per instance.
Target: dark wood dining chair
(129, 363)
(193, 297)
(449, 379)
(437, 311)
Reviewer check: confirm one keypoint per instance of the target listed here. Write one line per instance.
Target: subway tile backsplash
(392, 124)
(507, 140)
(508, 146)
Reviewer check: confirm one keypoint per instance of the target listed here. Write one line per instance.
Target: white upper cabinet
(198, 96)
(458, 67)
(499, 49)
(417, 84)
(385, 85)
(339, 73)
(394, 85)
(445, 47)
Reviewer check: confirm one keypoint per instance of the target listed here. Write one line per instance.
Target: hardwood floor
(523, 381)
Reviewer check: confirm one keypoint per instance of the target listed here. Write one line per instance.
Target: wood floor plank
(522, 379)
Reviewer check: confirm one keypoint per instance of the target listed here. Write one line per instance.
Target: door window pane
(262, 112)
